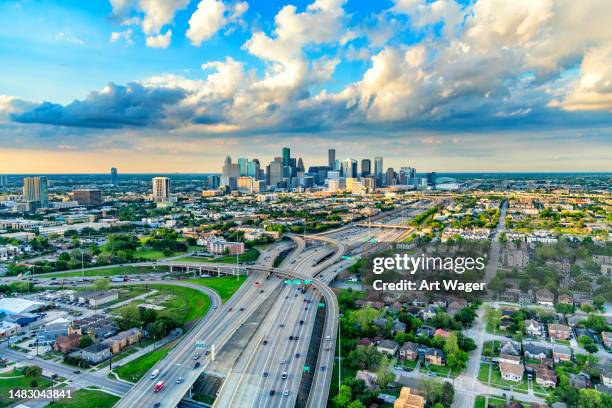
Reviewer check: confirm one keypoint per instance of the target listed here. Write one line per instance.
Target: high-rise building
(229, 173)
(300, 165)
(211, 182)
(349, 168)
(366, 167)
(275, 171)
(114, 176)
(331, 158)
(35, 190)
(161, 189)
(253, 169)
(286, 156)
(390, 177)
(243, 164)
(378, 169)
(87, 197)
(3, 180)
(431, 178)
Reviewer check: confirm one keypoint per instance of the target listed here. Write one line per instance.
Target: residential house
(93, 354)
(561, 353)
(441, 333)
(545, 377)
(533, 327)
(365, 342)
(389, 347)
(407, 399)
(409, 351)
(511, 372)
(606, 378)
(8, 329)
(426, 331)
(606, 338)
(123, 339)
(511, 348)
(566, 299)
(50, 331)
(434, 356)
(398, 327)
(429, 312)
(67, 343)
(455, 307)
(580, 380)
(535, 351)
(368, 378)
(545, 297)
(558, 331)
(509, 359)
(380, 323)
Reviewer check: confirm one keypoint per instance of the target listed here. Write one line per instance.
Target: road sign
(200, 345)
(288, 282)
(307, 281)
(321, 304)
(297, 281)
(306, 368)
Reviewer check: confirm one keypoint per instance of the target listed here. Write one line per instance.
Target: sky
(176, 85)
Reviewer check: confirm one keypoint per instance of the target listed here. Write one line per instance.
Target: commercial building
(378, 170)
(11, 306)
(88, 197)
(161, 189)
(331, 158)
(114, 176)
(35, 190)
(407, 399)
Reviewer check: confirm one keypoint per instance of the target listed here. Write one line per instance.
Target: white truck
(154, 374)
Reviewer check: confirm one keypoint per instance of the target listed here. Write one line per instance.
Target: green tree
(343, 399)
(101, 284)
(85, 341)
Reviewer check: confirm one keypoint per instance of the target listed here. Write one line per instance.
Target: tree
(32, 371)
(101, 284)
(129, 317)
(447, 394)
(85, 341)
(343, 399)
(589, 398)
(384, 376)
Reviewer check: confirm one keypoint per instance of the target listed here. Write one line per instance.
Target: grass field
(225, 286)
(483, 373)
(249, 256)
(190, 303)
(117, 270)
(134, 370)
(14, 380)
(85, 398)
(498, 382)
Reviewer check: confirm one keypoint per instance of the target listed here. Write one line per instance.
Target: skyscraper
(366, 167)
(275, 172)
(286, 156)
(3, 180)
(300, 165)
(35, 191)
(390, 177)
(243, 165)
(378, 169)
(253, 169)
(349, 168)
(114, 176)
(161, 189)
(230, 173)
(331, 158)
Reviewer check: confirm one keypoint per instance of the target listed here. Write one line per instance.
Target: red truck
(158, 386)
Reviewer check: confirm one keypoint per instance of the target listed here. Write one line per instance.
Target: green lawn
(249, 256)
(480, 402)
(191, 304)
(153, 254)
(117, 270)
(483, 373)
(85, 398)
(410, 364)
(498, 382)
(134, 370)
(225, 286)
(14, 380)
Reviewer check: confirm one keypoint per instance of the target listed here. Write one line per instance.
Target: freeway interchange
(273, 322)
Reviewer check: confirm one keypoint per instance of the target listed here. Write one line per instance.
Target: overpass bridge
(388, 226)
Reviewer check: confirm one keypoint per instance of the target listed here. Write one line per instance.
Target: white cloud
(159, 41)
(158, 13)
(206, 21)
(125, 36)
(423, 13)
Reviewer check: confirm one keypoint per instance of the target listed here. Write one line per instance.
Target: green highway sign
(321, 304)
(307, 281)
(306, 368)
(297, 281)
(288, 282)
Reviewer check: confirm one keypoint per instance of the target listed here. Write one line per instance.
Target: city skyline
(455, 87)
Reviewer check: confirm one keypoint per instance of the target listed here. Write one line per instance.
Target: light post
(339, 352)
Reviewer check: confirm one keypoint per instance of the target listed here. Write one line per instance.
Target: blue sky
(175, 85)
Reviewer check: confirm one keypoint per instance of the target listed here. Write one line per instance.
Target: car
(30, 357)
(179, 380)
(284, 375)
(265, 374)
(197, 365)
(265, 342)
(215, 306)
(323, 368)
(261, 291)
(157, 405)
(287, 297)
(290, 337)
(301, 322)
(328, 338)
(230, 309)
(327, 348)
(242, 309)
(286, 393)
(283, 361)
(296, 338)
(306, 308)
(207, 352)
(77, 371)
(297, 355)
(196, 356)
(272, 392)
(281, 325)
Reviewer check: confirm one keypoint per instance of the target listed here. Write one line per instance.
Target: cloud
(206, 21)
(158, 13)
(114, 107)
(159, 41)
(125, 36)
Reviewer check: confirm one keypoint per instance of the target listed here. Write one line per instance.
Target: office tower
(349, 168)
(366, 167)
(286, 156)
(3, 180)
(243, 166)
(35, 191)
(161, 189)
(308, 181)
(369, 182)
(431, 178)
(253, 169)
(331, 158)
(87, 197)
(211, 182)
(300, 165)
(247, 184)
(378, 169)
(230, 173)
(114, 176)
(390, 177)
(319, 173)
(275, 171)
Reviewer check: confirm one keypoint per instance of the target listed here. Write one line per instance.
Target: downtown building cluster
(286, 173)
